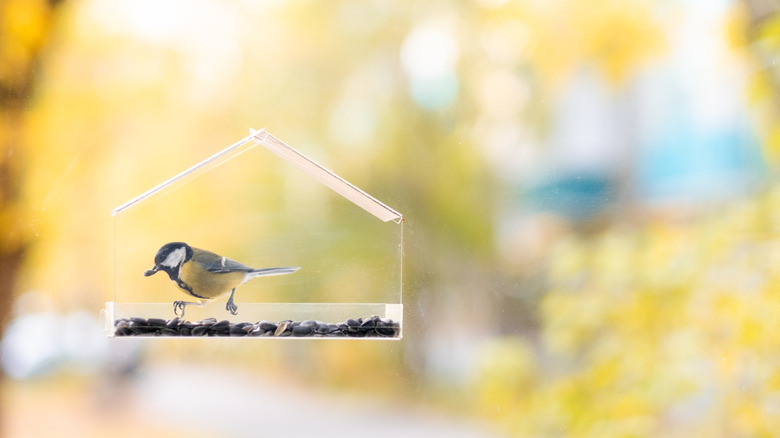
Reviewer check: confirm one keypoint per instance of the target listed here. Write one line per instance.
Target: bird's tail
(273, 271)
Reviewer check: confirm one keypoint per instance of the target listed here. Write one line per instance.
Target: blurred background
(590, 190)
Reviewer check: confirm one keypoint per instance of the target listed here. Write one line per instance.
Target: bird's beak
(152, 271)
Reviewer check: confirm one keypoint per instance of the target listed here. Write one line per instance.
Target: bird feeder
(264, 204)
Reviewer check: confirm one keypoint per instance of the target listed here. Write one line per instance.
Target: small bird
(205, 275)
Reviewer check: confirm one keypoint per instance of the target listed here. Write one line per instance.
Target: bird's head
(169, 258)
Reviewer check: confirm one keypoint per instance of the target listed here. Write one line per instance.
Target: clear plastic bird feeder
(264, 204)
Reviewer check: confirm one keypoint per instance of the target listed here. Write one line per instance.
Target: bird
(205, 275)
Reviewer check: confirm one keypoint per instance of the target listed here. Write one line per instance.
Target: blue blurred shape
(435, 92)
(576, 197)
(686, 163)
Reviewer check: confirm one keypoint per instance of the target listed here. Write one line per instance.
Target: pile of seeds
(373, 326)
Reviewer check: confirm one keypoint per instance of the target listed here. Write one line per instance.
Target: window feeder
(268, 208)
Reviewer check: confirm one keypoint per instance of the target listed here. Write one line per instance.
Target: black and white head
(169, 258)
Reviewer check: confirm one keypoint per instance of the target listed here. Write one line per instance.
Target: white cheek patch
(175, 258)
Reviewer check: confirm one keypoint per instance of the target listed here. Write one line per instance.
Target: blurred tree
(761, 31)
(25, 26)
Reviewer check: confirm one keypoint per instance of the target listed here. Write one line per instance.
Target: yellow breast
(207, 285)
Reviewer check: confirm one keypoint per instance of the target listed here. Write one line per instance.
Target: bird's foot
(179, 304)
(231, 306)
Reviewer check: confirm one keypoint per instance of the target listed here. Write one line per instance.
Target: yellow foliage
(762, 88)
(614, 36)
(692, 317)
(506, 369)
(23, 28)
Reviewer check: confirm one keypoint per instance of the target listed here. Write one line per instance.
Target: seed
(302, 330)
(200, 330)
(225, 331)
(282, 327)
(385, 331)
(207, 321)
(157, 322)
(352, 325)
(221, 325)
(267, 326)
(237, 330)
(370, 327)
(257, 331)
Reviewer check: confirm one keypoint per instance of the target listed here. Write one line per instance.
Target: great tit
(205, 275)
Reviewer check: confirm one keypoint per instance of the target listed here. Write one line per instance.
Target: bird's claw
(231, 307)
(179, 304)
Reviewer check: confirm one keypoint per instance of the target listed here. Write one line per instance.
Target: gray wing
(218, 264)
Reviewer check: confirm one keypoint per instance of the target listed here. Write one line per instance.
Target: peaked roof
(292, 156)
